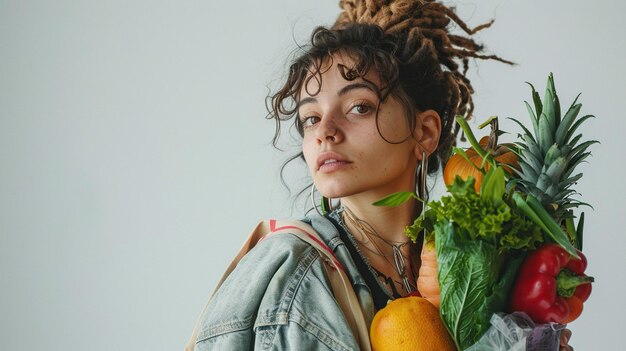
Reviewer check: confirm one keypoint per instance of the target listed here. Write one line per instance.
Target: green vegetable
(486, 217)
(480, 242)
(474, 280)
(533, 209)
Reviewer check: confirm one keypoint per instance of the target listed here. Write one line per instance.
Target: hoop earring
(325, 204)
(421, 179)
(421, 186)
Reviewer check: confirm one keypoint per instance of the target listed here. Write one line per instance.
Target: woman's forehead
(339, 68)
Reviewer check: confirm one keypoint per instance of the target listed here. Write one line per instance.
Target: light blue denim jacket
(278, 298)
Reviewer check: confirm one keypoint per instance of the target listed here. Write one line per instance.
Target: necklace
(367, 231)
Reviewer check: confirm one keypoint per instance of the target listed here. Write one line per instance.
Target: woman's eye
(360, 109)
(309, 121)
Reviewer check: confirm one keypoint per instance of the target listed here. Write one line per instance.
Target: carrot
(427, 282)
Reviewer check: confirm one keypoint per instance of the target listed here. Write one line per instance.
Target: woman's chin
(333, 193)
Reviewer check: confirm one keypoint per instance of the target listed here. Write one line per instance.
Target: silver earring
(421, 190)
(421, 186)
(325, 204)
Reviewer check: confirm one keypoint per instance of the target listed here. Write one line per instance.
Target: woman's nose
(329, 130)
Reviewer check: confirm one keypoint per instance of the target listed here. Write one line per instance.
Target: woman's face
(343, 148)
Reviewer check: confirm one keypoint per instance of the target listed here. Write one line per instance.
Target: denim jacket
(278, 298)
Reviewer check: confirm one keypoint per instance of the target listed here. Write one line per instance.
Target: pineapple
(548, 157)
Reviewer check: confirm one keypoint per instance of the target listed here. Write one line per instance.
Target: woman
(374, 99)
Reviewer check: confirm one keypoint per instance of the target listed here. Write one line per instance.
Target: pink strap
(273, 228)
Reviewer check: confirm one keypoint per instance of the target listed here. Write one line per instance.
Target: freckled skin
(377, 168)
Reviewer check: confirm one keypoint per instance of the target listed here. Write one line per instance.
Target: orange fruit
(409, 323)
(457, 165)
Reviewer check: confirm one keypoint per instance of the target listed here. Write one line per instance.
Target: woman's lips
(331, 165)
(330, 161)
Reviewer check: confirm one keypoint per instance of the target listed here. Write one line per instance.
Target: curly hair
(408, 44)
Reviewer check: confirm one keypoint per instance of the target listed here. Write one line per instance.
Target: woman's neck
(388, 222)
(379, 232)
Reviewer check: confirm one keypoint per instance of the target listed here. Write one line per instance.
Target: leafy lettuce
(480, 241)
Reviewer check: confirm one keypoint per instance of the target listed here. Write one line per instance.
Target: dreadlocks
(424, 24)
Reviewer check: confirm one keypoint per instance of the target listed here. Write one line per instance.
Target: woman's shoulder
(272, 287)
(262, 288)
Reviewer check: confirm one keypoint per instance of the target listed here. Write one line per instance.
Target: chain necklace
(367, 231)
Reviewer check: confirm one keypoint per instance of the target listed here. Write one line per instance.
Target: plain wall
(135, 156)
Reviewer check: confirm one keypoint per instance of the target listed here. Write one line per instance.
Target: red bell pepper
(551, 285)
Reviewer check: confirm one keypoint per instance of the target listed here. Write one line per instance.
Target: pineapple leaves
(549, 155)
(576, 160)
(536, 101)
(544, 138)
(551, 105)
(575, 140)
(575, 126)
(574, 102)
(526, 131)
(566, 123)
(533, 118)
(582, 147)
(557, 167)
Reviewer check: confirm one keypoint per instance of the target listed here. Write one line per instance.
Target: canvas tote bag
(340, 284)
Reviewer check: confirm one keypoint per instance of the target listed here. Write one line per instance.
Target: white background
(135, 157)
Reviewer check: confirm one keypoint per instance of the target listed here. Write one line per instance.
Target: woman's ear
(427, 132)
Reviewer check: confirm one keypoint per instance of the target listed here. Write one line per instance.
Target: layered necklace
(367, 231)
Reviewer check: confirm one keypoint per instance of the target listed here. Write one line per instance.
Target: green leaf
(579, 231)
(521, 204)
(551, 106)
(553, 153)
(536, 100)
(487, 122)
(570, 229)
(526, 131)
(575, 161)
(556, 169)
(531, 160)
(396, 199)
(550, 226)
(582, 147)
(575, 126)
(533, 118)
(460, 187)
(493, 185)
(460, 276)
(324, 205)
(566, 123)
(545, 135)
(470, 137)
(471, 286)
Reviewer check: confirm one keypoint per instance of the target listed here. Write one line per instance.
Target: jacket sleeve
(277, 298)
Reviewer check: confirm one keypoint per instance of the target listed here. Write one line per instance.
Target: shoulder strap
(340, 284)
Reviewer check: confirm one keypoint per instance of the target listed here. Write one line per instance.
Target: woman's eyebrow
(306, 100)
(359, 85)
(348, 88)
